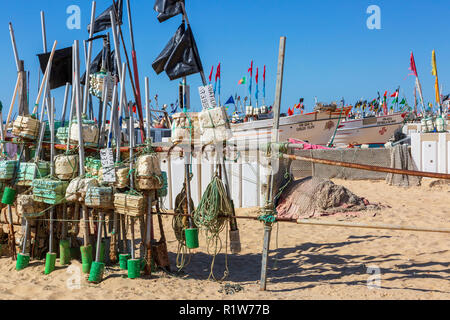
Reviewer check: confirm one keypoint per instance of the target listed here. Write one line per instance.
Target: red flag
(251, 69)
(395, 94)
(218, 72)
(256, 77)
(413, 65)
(210, 74)
(134, 108)
(264, 73)
(290, 112)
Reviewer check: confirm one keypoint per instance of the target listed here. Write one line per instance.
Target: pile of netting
(314, 197)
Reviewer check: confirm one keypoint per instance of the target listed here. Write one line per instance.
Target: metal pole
(136, 75)
(99, 236)
(51, 117)
(88, 60)
(80, 138)
(147, 108)
(66, 98)
(121, 102)
(117, 48)
(276, 124)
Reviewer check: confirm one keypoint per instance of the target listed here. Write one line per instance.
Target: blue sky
(330, 52)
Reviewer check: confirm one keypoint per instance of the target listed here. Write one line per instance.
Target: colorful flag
(217, 77)
(218, 72)
(210, 74)
(385, 103)
(242, 81)
(256, 78)
(434, 73)
(230, 100)
(413, 65)
(264, 83)
(251, 77)
(403, 101)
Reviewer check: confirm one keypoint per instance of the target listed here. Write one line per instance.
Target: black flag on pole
(167, 9)
(180, 56)
(160, 62)
(61, 72)
(103, 21)
(185, 59)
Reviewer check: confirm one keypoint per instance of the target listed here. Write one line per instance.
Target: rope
(212, 215)
(179, 223)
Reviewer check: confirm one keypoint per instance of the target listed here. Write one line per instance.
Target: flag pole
(185, 16)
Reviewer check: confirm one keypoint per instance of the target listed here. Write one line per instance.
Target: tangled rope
(211, 215)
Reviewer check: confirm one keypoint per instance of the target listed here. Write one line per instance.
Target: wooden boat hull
(315, 128)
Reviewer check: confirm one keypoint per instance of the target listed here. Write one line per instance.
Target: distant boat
(376, 130)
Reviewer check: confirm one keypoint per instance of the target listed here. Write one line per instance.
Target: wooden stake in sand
(44, 79)
(274, 160)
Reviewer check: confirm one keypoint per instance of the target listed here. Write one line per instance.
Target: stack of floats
(61, 193)
(36, 190)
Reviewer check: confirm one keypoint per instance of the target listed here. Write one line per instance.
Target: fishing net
(314, 197)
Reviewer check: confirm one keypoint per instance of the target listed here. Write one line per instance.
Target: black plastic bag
(61, 72)
(167, 9)
(160, 62)
(103, 21)
(185, 59)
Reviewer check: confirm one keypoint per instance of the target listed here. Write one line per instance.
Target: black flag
(168, 8)
(160, 62)
(184, 59)
(61, 72)
(103, 21)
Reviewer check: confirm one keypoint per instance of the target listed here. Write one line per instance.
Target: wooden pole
(14, 46)
(80, 137)
(44, 79)
(269, 194)
(13, 100)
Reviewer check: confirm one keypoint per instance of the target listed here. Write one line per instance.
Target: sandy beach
(308, 262)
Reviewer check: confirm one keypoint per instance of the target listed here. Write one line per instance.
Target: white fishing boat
(370, 130)
(316, 127)
(374, 130)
